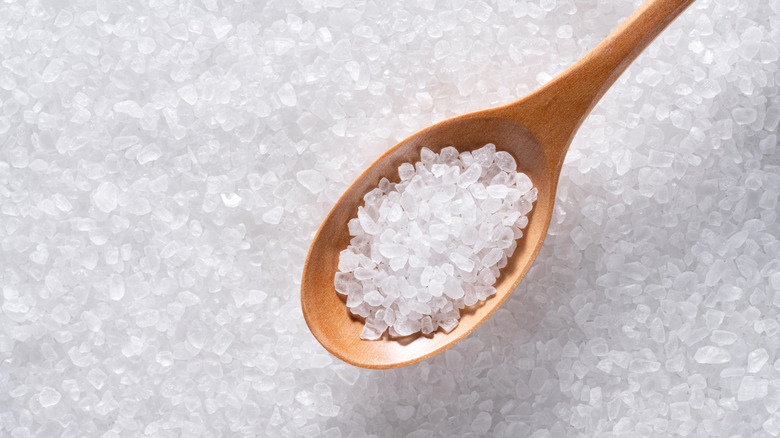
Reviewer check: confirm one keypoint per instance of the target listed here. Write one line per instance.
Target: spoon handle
(554, 112)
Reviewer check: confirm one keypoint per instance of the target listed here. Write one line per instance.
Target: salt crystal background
(163, 168)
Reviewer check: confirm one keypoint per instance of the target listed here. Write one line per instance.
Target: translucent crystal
(426, 237)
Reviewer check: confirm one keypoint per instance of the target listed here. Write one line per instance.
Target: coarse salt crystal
(427, 237)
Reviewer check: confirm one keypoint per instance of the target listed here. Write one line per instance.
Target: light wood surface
(536, 130)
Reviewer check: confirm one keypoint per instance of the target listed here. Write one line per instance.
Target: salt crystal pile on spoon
(433, 243)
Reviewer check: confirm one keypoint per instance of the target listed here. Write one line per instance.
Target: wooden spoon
(536, 130)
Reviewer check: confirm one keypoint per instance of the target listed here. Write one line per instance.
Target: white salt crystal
(105, 197)
(97, 378)
(640, 366)
(222, 27)
(287, 95)
(406, 171)
(393, 250)
(454, 290)
(354, 298)
(622, 160)
(757, 359)
(448, 324)
(371, 332)
(435, 249)
(723, 337)
(129, 107)
(712, 355)
(146, 45)
(497, 191)
(274, 215)
(744, 116)
(92, 322)
(53, 70)
(492, 257)
(714, 273)
(771, 426)
(313, 180)
(470, 175)
(462, 262)
(366, 222)
(635, 271)
(404, 412)
(751, 388)
(149, 153)
(427, 325)
(660, 159)
(708, 88)
(19, 158)
(771, 121)
(348, 261)
(680, 411)
(49, 396)
(439, 169)
(231, 199)
(407, 327)
(373, 298)
(188, 93)
(481, 423)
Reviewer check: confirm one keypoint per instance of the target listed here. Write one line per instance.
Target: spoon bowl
(327, 314)
(535, 130)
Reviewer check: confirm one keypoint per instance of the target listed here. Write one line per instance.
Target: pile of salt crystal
(432, 244)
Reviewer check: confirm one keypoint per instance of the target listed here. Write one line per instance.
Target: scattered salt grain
(222, 27)
(712, 355)
(751, 388)
(188, 93)
(274, 215)
(49, 397)
(129, 107)
(241, 96)
(403, 282)
(757, 359)
(105, 197)
(481, 423)
(313, 180)
(287, 95)
(146, 45)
